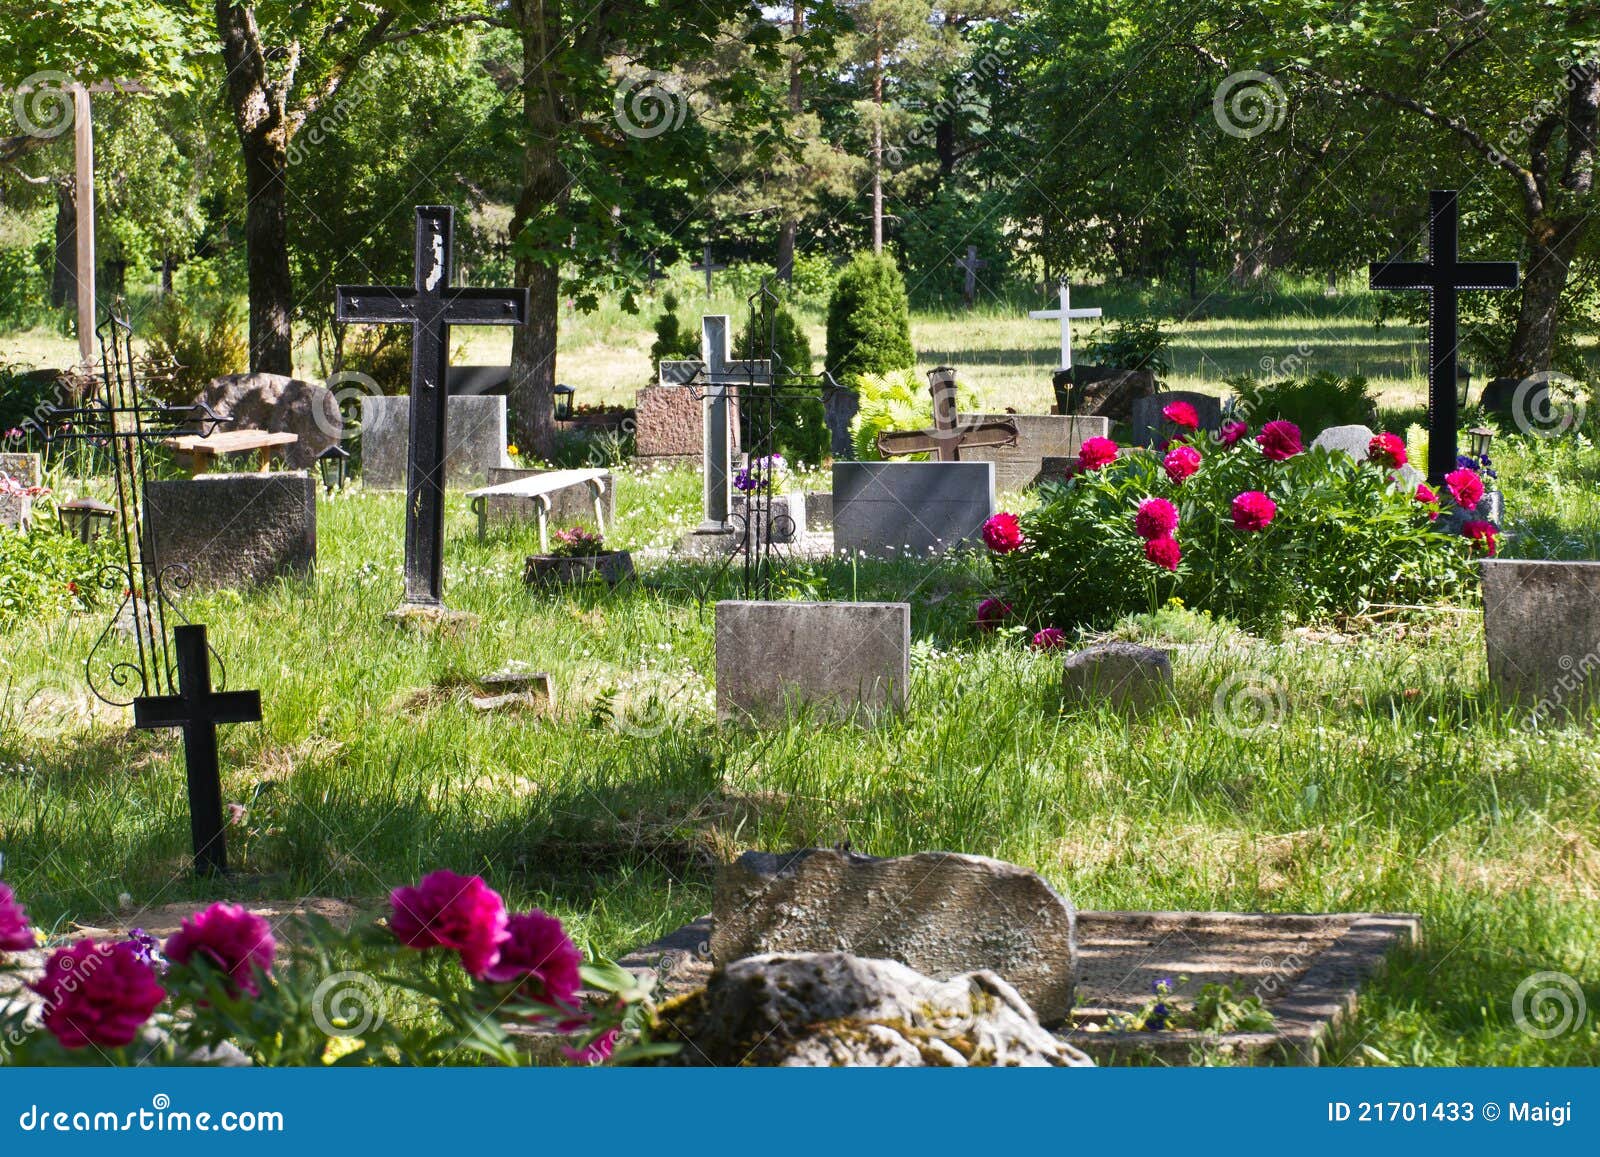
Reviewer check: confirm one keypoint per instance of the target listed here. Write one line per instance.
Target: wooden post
(83, 134)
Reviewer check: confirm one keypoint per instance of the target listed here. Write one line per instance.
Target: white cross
(1066, 313)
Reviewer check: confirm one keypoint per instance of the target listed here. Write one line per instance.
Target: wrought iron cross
(969, 266)
(721, 372)
(1442, 276)
(708, 266)
(197, 709)
(1065, 313)
(950, 430)
(430, 306)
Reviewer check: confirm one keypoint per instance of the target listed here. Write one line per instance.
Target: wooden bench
(538, 490)
(203, 451)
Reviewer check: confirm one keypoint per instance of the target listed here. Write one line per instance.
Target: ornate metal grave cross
(721, 371)
(197, 709)
(1442, 276)
(950, 430)
(430, 306)
(708, 267)
(1065, 313)
(969, 266)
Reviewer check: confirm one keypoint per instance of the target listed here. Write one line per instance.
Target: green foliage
(203, 338)
(45, 574)
(674, 340)
(23, 394)
(1344, 536)
(899, 400)
(1314, 404)
(869, 320)
(799, 421)
(937, 236)
(1130, 344)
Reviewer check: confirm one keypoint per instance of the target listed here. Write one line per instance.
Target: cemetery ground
(1362, 765)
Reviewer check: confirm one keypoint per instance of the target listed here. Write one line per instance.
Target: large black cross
(198, 709)
(1442, 275)
(430, 307)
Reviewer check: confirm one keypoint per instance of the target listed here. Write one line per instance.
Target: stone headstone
(1102, 391)
(819, 509)
(278, 405)
(1541, 625)
(941, 913)
(890, 509)
(834, 1009)
(1150, 428)
(840, 660)
(1352, 440)
(16, 512)
(840, 405)
(1038, 436)
(234, 530)
(1130, 677)
(25, 469)
(478, 379)
(475, 441)
(569, 506)
(669, 420)
(780, 518)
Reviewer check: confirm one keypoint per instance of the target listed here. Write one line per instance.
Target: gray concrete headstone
(1151, 429)
(941, 913)
(23, 468)
(1541, 625)
(279, 405)
(1353, 440)
(889, 509)
(1039, 436)
(475, 441)
(840, 660)
(840, 404)
(16, 511)
(234, 530)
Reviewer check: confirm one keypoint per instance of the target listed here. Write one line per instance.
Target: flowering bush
(576, 542)
(1002, 533)
(769, 475)
(44, 573)
(325, 995)
(1259, 530)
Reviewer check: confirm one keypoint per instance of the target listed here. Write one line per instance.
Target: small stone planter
(16, 512)
(612, 567)
(781, 518)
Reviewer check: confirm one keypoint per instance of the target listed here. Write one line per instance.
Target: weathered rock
(941, 913)
(834, 1009)
(24, 469)
(1039, 436)
(279, 405)
(1353, 440)
(16, 512)
(1132, 677)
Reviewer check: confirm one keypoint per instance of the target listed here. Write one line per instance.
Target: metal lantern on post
(1463, 384)
(563, 397)
(334, 463)
(1481, 437)
(85, 519)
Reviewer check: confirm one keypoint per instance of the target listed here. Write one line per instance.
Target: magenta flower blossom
(97, 994)
(1182, 415)
(991, 613)
(1181, 464)
(1050, 639)
(445, 910)
(1157, 518)
(1253, 511)
(16, 934)
(1279, 440)
(230, 939)
(540, 958)
(1164, 553)
(1232, 432)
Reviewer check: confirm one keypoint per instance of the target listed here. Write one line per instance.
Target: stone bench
(539, 489)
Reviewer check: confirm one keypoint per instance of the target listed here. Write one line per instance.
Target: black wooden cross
(198, 709)
(708, 266)
(969, 281)
(1442, 275)
(430, 307)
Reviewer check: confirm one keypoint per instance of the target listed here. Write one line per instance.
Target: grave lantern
(564, 395)
(1463, 384)
(334, 463)
(1481, 437)
(85, 519)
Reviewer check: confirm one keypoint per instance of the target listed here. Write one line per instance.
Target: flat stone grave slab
(475, 440)
(1541, 627)
(847, 661)
(235, 530)
(910, 509)
(1039, 436)
(1150, 428)
(1306, 969)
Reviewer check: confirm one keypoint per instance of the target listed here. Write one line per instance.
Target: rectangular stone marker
(475, 441)
(1150, 428)
(16, 511)
(22, 468)
(889, 509)
(1541, 625)
(571, 506)
(234, 530)
(667, 423)
(840, 406)
(842, 660)
(1039, 436)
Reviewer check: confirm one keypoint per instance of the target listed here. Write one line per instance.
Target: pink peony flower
(97, 994)
(1426, 496)
(450, 911)
(1182, 415)
(1465, 487)
(1157, 518)
(1181, 464)
(1279, 440)
(1050, 638)
(540, 959)
(1253, 511)
(16, 934)
(1096, 452)
(991, 613)
(1002, 533)
(1232, 432)
(596, 1051)
(1387, 450)
(1484, 535)
(230, 939)
(1164, 553)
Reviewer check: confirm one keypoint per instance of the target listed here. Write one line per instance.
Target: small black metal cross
(198, 710)
(1442, 275)
(708, 266)
(969, 282)
(430, 306)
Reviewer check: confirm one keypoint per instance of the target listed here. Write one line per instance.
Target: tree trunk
(877, 152)
(786, 236)
(790, 225)
(64, 271)
(1552, 244)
